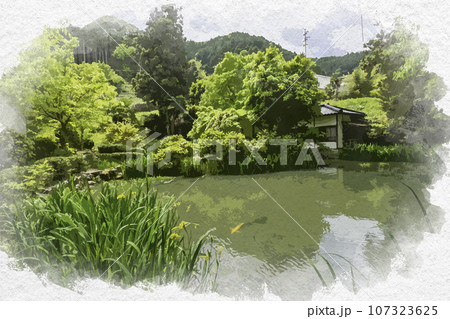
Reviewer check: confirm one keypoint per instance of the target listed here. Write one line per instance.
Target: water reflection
(358, 216)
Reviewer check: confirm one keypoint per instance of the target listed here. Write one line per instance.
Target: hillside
(342, 64)
(96, 45)
(211, 52)
(92, 35)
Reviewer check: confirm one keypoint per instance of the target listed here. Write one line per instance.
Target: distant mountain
(343, 64)
(211, 52)
(93, 34)
(96, 45)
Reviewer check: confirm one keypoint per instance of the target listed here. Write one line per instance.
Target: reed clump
(123, 238)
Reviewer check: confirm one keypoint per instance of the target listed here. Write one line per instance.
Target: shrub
(116, 157)
(112, 148)
(391, 153)
(179, 149)
(121, 132)
(25, 180)
(127, 237)
(64, 167)
(45, 146)
(151, 120)
(121, 111)
(105, 164)
(16, 149)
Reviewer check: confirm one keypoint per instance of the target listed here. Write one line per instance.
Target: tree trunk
(166, 111)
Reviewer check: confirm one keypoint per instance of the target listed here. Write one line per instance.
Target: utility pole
(305, 39)
(362, 29)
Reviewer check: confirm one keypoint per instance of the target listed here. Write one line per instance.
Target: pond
(346, 221)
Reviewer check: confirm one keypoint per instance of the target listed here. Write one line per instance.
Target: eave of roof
(327, 109)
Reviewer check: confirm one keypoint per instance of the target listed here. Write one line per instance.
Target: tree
(394, 70)
(279, 93)
(163, 57)
(332, 88)
(357, 84)
(55, 94)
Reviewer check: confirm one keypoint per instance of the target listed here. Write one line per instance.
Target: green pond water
(357, 218)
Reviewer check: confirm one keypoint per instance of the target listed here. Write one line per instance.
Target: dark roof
(327, 109)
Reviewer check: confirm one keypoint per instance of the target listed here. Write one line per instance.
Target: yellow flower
(182, 225)
(120, 196)
(188, 209)
(92, 191)
(174, 235)
(133, 193)
(206, 256)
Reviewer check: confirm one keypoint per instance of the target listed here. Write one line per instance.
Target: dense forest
(341, 65)
(211, 52)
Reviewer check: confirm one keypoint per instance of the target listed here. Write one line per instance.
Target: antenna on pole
(305, 39)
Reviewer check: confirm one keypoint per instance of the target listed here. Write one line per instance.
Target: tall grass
(390, 153)
(422, 208)
(123, 237)
(332, 271)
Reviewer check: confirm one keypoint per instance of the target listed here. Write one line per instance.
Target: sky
(334, 26)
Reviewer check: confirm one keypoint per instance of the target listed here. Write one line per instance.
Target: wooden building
(343, 127)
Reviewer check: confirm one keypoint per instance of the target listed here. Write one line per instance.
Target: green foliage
(45, 146)
(373, 107)
(121, 112)
(391, 153)
(111, 148)
(341, 65)
(162, 54)
(176, 145)
(332, 88)
(151, 120)
(121, 132)
(394, 70)
(64, 167)
(25, 180)
(254, 82)
(105, 164)
(220, 120)
(126, 54)
(182, 160)
(211, 52)
(179, 149)
(126, 237)
(95, 45)
(16, 149)
(357, 84)
(115, 157)
(58, 95)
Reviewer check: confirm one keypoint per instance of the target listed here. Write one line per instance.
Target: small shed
(343, 127)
